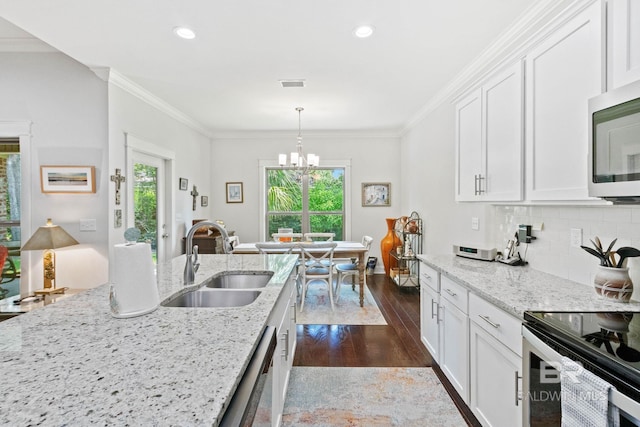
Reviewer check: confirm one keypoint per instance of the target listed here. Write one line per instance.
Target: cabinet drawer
(454, 293)
(430, 277)
(501, 325)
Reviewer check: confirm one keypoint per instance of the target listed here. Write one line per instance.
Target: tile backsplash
(552, 252)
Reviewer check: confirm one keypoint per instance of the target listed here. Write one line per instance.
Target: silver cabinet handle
(475, 185)
(488, 320)
(480, 179)
(517, 397)
(434, 313)
(285, 350)
(450, 292)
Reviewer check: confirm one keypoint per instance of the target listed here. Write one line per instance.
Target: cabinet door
(454, 347)
(502, 115)
(429, 321)
(468, 146)
(495, 384)
(624, 42)
(563, 72)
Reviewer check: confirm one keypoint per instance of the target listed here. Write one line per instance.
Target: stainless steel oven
(603, 343)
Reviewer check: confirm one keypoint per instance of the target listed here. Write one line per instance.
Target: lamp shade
(49, 237)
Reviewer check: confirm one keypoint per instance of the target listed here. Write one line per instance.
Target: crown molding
(537, 21)
(24, 45)
(307, 134)
(113, 77)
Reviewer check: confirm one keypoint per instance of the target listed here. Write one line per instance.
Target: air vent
(292, 83)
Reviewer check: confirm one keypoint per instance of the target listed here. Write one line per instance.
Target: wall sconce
(48, 238)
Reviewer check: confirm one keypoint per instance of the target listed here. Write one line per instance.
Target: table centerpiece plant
(612, 279)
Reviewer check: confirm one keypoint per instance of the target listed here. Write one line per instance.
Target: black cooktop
(609, 340)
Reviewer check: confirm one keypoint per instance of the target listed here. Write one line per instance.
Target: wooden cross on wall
(118, 179)
(195, 195)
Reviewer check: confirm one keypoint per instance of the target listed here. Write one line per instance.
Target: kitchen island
(72, 363)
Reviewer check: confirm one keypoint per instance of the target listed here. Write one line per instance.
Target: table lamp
(48, 238)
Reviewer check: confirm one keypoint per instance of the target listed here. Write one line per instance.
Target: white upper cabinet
(468, 146)
(503, 103)
(623, 42)
(562, 73)
(489, 138)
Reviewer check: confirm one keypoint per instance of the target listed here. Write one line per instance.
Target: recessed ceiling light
(363, 31)
(184, 32)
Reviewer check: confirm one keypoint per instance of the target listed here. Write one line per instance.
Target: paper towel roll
(134, 291)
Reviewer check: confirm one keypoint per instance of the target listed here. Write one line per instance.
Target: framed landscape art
(68, 179)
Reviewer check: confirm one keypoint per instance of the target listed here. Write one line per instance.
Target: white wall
(131, 114)
(428, 177)
(67, 105)
(373, 159)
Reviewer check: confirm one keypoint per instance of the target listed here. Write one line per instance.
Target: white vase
(613, 283)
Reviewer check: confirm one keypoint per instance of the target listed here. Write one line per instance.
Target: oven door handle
(616, 398)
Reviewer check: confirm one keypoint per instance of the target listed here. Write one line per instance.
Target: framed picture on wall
(68, 179)
(184, 184)
(376, 194)
(234, 192)
(204, 201)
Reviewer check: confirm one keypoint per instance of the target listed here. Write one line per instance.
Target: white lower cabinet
(495, 372)
(283, 317)
(454, 336)
(496, 365)
(477, 345)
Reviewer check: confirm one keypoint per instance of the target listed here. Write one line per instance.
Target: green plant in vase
(612, 279)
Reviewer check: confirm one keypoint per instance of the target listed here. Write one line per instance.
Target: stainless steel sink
(239, 280)
(204, 297)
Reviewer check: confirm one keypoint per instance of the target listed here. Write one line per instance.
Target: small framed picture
(376, 194)
(68, 179)
(184, 184)
(204, 201)
(234, 192)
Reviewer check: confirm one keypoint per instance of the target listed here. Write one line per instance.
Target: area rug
(326, 397)
(317, 307)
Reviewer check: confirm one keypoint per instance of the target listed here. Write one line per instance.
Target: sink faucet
(192, 252)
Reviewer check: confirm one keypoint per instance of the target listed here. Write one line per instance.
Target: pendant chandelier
(298, 160)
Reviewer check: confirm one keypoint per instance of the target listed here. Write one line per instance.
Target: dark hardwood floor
(396, 344)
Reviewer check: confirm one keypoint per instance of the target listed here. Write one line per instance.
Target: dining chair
(275, 247)
(315, 257)
(319, 237)
(351, 268)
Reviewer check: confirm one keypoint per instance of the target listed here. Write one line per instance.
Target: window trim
(346, 164)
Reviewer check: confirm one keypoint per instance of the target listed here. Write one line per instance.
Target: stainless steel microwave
(614, 145)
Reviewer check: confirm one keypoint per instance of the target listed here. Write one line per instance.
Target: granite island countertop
(517, 289)
(72, 363)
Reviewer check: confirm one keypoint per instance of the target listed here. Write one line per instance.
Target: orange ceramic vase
(388, 243)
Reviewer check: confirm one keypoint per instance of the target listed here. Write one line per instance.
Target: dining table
(344, 249)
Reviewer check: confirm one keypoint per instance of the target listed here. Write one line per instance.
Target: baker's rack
(409, 231)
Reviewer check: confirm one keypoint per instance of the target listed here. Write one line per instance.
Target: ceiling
(227, 78)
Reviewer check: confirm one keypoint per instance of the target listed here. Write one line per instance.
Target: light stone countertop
(517, 289)
(72, 363)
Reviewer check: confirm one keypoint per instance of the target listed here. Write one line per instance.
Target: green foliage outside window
(145, 202)
(325, 201)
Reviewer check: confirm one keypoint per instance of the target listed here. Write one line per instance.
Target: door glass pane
(145, 200)
(10, 216)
